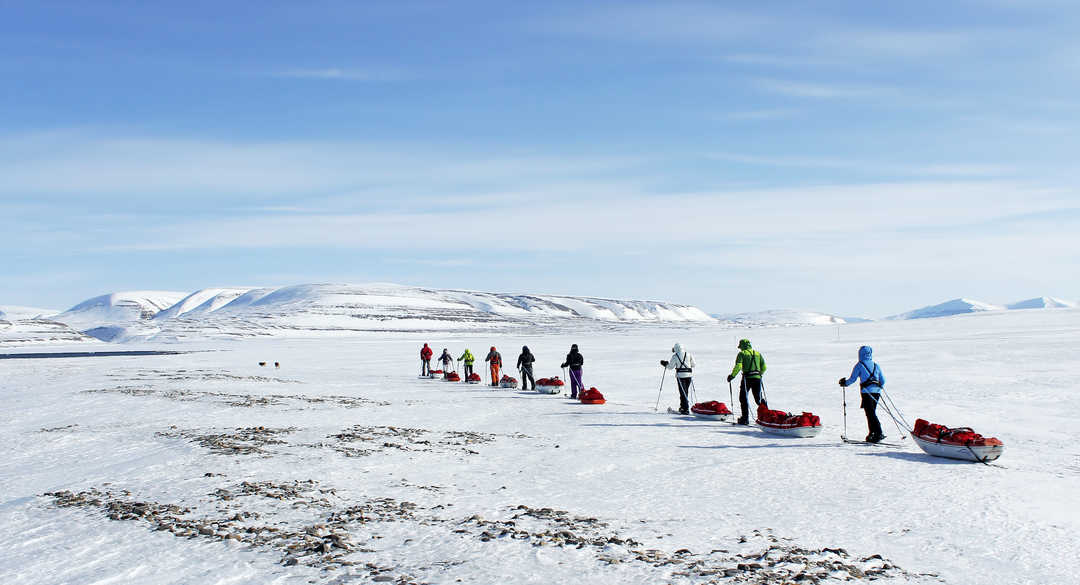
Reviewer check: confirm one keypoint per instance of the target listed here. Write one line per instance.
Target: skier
(871, 380)
(446, 360)
(574, 360)
(467, 359)
(425, 360)
(525, 365)
(683, 363)
(752, 364)
(494, 359)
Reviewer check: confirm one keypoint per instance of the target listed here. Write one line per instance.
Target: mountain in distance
(964, 306)
(1042, 303)
(959, 306)
(783, 318)
(16, 313)
(328, 309)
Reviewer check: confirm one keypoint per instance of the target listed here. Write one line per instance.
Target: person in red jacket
(425, 360)
(495, 359)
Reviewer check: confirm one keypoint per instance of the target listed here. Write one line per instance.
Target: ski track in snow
(342, 466)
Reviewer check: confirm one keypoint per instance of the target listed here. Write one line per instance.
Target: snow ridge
(781, 318)
(1042, 303)
(322, 309)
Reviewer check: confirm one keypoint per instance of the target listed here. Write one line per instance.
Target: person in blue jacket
(871, 380)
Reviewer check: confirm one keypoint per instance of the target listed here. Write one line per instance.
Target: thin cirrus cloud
(361, 74)
(935, 169)
(795, 214)
(822, 90)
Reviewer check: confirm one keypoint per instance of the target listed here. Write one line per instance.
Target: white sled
(789, 430)
(981, 453)
(508, 384)
(549, 389)
(709, 411)
(706, 416)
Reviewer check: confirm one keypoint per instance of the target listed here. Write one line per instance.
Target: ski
(882, 443)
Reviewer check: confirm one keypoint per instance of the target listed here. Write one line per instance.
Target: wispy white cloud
(348, 74)
(821, 90)
(112, 167)
(894, 168)
(759, 115)
(668, 22)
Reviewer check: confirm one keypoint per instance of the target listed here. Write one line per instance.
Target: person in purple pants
(574, 361)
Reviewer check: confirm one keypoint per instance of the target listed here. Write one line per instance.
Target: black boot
(743, 420)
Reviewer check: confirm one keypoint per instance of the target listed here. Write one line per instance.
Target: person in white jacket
(683, 363)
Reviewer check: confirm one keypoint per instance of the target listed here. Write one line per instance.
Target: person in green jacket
(467, 359)
(752, 365)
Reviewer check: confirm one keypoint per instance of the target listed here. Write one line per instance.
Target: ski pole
(662, 376)
(843, 390)
(730, 396)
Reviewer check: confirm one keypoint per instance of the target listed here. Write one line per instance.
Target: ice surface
(425, 480)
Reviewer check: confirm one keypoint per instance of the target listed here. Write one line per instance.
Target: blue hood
(866, 354)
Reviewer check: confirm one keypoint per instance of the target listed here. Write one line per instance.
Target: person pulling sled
(574, 361)
(525, 366)
(446, 359)
(683, 363)
(494, 359)
(871, 381)
(752, 365)
(425, 360)
(467, 359)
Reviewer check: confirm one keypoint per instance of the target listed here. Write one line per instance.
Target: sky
(857, 158)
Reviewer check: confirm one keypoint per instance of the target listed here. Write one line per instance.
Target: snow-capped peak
(954, 307)
(1042, 303)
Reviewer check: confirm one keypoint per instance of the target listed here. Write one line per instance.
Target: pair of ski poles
(663, 376)
(897, 416)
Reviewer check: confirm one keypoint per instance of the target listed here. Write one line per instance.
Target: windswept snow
(1042, 303)
(342, 467)
(948, 308)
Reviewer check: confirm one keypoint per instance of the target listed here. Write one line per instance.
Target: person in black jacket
(525, 365)
(574, 360)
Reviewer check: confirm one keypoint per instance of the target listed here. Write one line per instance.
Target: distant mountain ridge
(327, 309)
(782, 318)
(964, 306)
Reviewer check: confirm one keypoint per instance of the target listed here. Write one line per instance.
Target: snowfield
(342, 466)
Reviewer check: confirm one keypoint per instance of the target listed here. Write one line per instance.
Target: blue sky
(861, 158)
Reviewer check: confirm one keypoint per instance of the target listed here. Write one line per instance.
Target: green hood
(744, 344)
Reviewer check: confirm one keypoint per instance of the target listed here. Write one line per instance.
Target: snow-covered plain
(426, 481)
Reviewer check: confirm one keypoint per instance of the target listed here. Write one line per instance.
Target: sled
(591, 396)
(508, 382)
(550, 385)
(959, 443)
(711, 410)
(473, 378)
(452, 377)
(785, 424)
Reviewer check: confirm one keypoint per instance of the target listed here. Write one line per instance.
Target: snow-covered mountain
(954, 307)
(121, 308)
(16, 313)
(1042, 303)
(26, 332)
(780, 318)
(322, 309)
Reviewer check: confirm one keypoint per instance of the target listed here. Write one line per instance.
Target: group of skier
(574, 362)
(749, 362)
